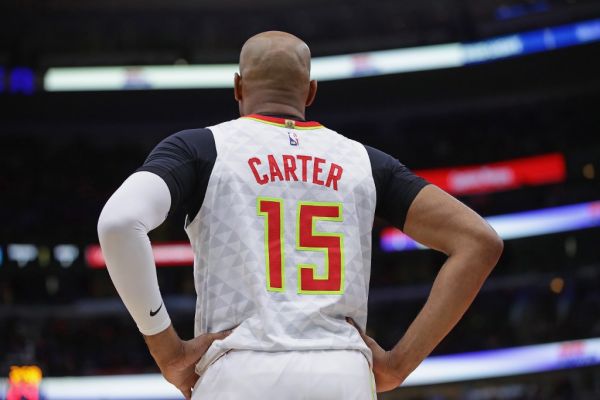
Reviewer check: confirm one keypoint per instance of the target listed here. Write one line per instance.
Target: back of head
(274, 71)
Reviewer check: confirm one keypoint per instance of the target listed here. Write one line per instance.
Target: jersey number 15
(307, 239)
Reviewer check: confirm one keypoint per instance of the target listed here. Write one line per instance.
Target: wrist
(164, 346)
(402, 361)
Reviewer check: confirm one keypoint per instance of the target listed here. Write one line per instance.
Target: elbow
(480, 244)
(490, 247)
(113, 227)
(108, 227)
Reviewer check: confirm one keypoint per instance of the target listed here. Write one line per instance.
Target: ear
(312, 93)
(237, 87)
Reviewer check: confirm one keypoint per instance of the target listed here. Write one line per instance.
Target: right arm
(439, 221)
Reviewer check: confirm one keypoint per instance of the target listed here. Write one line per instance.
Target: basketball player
(279, 215)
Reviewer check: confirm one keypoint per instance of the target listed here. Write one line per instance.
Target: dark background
(63, 154)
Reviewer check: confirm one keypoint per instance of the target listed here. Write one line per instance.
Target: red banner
(165, 255)
(494, 177)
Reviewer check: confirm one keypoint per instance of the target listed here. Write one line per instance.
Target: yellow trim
(373, 385)
(266, 242)
(324, 250)
(300, 128)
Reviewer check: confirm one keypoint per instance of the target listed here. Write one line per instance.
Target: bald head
(276, 57)
(274, 72)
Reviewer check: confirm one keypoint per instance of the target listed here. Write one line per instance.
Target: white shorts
(289, 375)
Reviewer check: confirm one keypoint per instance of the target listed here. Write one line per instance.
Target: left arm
(439, 221)
(138, 206)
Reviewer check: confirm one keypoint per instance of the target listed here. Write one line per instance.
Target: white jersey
(282, 241)
(280, 214)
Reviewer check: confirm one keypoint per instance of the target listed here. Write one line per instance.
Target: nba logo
(293, 139)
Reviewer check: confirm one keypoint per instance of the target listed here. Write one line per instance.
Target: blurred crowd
(53, 192)
(56, 188)
(510, 311)
(62, 155)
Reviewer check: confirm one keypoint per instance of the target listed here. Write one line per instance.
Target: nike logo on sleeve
(153, 313)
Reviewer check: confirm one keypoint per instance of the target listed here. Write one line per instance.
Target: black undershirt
(185, 161)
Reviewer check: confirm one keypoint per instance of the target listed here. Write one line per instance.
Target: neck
(272, 108)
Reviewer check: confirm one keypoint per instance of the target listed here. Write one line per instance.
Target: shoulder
(180, 149)
(380, 159)
(184, 160)
(340, 139)
(189, 144)
(190, 137)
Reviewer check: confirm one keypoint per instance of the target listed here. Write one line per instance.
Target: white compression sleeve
(138, 206)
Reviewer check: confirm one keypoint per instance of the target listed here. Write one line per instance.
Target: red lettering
(274, 169)
(253, 163)
(290, 172)
(317, 170)
(289, 167)
(335, 174)
(305, 160)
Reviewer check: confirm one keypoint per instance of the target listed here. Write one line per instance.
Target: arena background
(505, 116)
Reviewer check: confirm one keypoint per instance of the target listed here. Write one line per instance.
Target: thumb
(203, 342)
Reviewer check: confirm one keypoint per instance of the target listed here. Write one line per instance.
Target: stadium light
(220, 76)
(434, 370)
(517, 225)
